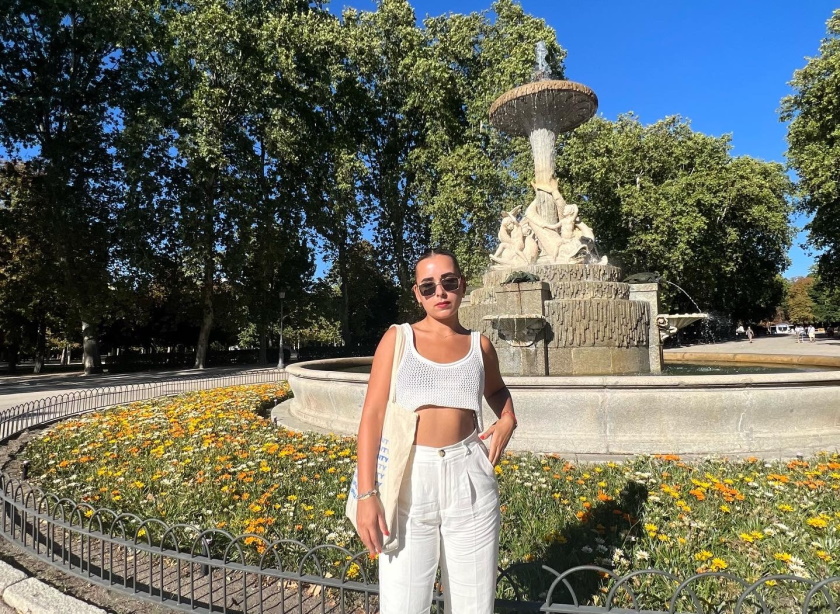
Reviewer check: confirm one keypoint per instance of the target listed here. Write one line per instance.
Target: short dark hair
(439, 251)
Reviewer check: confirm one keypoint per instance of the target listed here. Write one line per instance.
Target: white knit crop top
(421, 381)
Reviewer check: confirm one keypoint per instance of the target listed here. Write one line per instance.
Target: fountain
(580, 349)
(572, 315)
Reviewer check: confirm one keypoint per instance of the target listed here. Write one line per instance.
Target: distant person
(739, 331)
(812, 333)
(800, 333)
(750, 333)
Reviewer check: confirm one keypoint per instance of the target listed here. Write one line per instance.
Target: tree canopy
(668, 199)
(813, 111)
(174, 166)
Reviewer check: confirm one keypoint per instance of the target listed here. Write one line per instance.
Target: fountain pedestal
(577, 320)
(649, 293)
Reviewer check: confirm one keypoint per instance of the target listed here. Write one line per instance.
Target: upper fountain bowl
(559, 106)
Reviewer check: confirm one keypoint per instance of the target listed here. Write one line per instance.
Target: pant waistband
(461, 448)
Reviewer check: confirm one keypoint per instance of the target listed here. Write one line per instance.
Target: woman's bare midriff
(442, 426)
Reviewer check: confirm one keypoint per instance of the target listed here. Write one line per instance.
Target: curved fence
(187, 568)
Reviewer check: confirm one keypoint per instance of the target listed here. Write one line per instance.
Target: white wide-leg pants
(448, 515)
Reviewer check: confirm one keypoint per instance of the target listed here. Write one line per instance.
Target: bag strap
(399, 347)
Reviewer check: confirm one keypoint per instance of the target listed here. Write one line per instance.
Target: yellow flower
(752, 536)
(825, 556)
(703, 555)
(718, 565)
(291, 498)
(784, 507)
(782, 556)
(725, 509)
(817, 522)
(329, 513)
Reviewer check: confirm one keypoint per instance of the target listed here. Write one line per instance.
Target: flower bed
(208, 458)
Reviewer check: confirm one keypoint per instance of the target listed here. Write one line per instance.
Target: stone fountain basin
(765, 415)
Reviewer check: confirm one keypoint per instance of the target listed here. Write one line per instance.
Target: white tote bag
(398, 431)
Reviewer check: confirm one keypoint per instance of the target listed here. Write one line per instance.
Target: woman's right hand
(370, 520)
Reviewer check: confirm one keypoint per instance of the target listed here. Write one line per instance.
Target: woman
(449, 502)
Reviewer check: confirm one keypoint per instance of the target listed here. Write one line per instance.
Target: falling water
(706, 332)
(684, 292)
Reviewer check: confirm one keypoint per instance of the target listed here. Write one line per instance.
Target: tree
(387, 51)
(373, 304)
(207, 121)
(666, 198)
(472, 173)
(60, 66)
(814, 147)
(826, 300)
(799, 304)
(31, 298)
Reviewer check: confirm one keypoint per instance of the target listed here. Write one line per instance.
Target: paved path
(18, 389)
(773, 344)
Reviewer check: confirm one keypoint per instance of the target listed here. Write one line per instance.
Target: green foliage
(60, 66)
(826, 301)
(665, 198)
(473, 172)
(813, 111)
(191, 157)
(798, 303)
(371, 305)
(208, 143)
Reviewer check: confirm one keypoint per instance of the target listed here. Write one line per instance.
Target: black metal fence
(188, 568)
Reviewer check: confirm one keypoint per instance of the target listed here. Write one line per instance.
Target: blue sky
(723, 65)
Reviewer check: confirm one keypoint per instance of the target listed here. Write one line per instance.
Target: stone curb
(795, 359)
(282, 416)
(31, 596)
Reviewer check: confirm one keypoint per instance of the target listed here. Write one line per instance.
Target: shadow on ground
(607, 526)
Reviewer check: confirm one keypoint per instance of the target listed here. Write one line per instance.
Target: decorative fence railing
(190, 569)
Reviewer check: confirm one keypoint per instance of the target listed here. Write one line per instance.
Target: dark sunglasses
(450, 284)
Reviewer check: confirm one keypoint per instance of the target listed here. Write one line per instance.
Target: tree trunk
(343, 271)
(14, 351)
(207, 320)
(263, 358)
(91, 360)
(40, 347)
(65, 355)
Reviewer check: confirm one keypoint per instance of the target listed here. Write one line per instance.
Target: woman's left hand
(500, 433)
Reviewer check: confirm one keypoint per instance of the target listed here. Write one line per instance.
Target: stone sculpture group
(531, 239)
